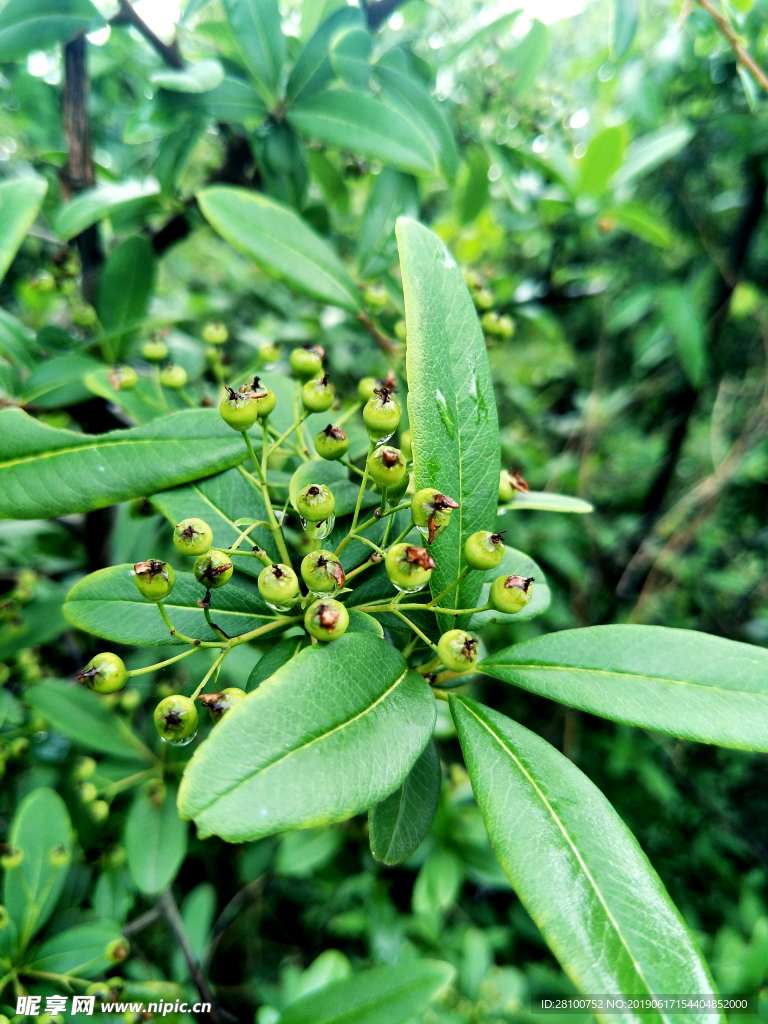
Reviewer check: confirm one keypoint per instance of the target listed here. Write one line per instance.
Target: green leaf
(350, 56)
(514, 563)
(192, 78)
(652, 150)
(313, 71)
(329, 734)
(59, 381)
(141, 403)
(48, 472)
(392, 194)
(41, 829)
(107, 604)
(15, 340)
(450, 402)
(384, 995)
(575, 865)
(280, 655)
(473, 190)
(547, 501)
(235, 101)
(362, 622)
(280, 242)
(40, 24)
(96, 203)
(601, 161)
(399, 823)
(675, 681)
(79, 952)
(197, 913)
(81, 715)
(358, 122)
(438, 883)
(683, 318)
(624, 18)
(155, 841)
(331, 183)
(20, 202)
(529, 58)
(126, 286)
(490, 33)
(257, 29)
(639, 220)
(336, 477)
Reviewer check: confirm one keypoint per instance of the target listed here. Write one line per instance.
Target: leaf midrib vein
(100, 445)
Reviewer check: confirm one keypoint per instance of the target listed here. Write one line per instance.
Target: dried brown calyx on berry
(517, 480)
(327, 617)
(390, 457)
(385, 394)
(420, 557)
(469, 648)
(151, 568)
(519, 583)
(334, 568)
(238, 396)
(213, 701)
(388, 383)
(441, 504)
(334, 433)
(317, 350)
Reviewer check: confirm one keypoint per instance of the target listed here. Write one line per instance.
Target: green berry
(483, 298)
(484, 550)
(104, 674)
(219, 703)
(387, 467)
(153, 579)
(173, 376)
(278, 585)
(176, 720)
(381, 415)
(123, 378)
(409, 568)
(511, 594)
(269, 353)
(213, 569)
(154, 351)
(401, 330)
(366, 388)
(239, 409)
(406, 444)
(322, 572)
(506, 492)
(431, 511)
(98, 811)
(457, 650)
(315, 503)
(331, 443)
(318, 395)
(264, 398)
(307, 362)
(215, 334)
(326, 619)
(192, 537)
(376, 296)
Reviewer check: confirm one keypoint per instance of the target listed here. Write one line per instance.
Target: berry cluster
(313, 596)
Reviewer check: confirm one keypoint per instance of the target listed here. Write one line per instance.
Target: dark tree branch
(171, 913)
(128, 16)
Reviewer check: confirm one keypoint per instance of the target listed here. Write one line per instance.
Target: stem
(405, 533)
(216, 665)
(282, 621)
(62, 979)
(277, 532)
(171, 913)
(216, 629)
(742, 55)
(361, 492)
(361, 568)
(161, 664)
(350, 412)
(126, 783)
(415, 629)
(180, 636)
(346, 462)
(455, 584)
(170, 54)
(294, 426)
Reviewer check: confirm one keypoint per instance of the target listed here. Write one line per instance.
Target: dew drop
(180, 743)
(318, 531)
(445, 412)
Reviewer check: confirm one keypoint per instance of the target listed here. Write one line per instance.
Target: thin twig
(170, 54)
(742, 55)
(143, 921)
(228, 914)
(171, 913)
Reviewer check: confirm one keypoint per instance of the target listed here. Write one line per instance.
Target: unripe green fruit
(400, 330)
(511, 594)
(381, 415)
(506, 491)
(331, 443)
(85, 768)
(123, 378)
(326, 619)
(154, 351)
(406, 444)
(238, 411)
(376, 296)
(88, 792)
(153, 579)
(219, 703)
(117, 950)
(215, 334)
(457, 650)
(213, 569)
(176, 720)
(105, 673)
(483, 298)
(278, 585)
(98, 811)
(269, 353)
(366, 388)
(307, 363)
(318, 395)
(192, 537)
(431, 511)
(315, 503)
(264, 397)
(322, 572)
(386, 467)
(409, 568)
(484, 550)
(173, 377)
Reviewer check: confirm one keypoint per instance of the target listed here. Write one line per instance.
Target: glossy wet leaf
(350, 55)
(384, 995)
(328, 735)
(155, 840)
(203, 76)
(529, 58)
(41, 829)
(514, 563)
(398, 824)
(59, 381)
(362, 622)
(652, 150)
(47, 472)
(451, 403)
(79, 952)
(20, 202)
(94, 204)
(625, 15)
(125, 288)
(576, 867)
(313, 70)
(547, 501)
(392, 194)
(235, 101)
(641, 221)
(82, 716)
(274, 659)
(27, 25)
(601, 160)
(107, 604)
(356, 121)
(675, 681)
(280, 242)
(258, 33)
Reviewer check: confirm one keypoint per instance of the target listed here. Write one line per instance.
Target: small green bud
(98, 811)
(264, 397)
(510, 594)
(326, 619)
(153, 579)
(12, 859)
(381, 415)
(18, 747)
(506, 492)
(154, 351)
(85, 767)
(117, 950)
(307, 362)
(431, 512)
(239, 410)
(318, 395)
(176, 720)
(219, 703)
(386, 467)
(269, 353)
(123, 378)
(376, 296)
(366, 389)
(400, 330)
(58, 855)
(331, 443)
(322, 572)
(315, 503)
(484, 550)
(278, 585)
(173, 377)
(483, 298)
(105, 673)
(130, 699)
(88, 792)
(409, 568)
(457, 650)
(192, 537)
(5, 917)
(213, 569)
(215, 334)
